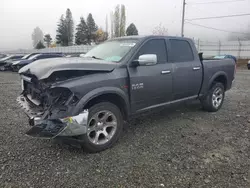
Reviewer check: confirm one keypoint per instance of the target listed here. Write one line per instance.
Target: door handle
(166, 72)
(196, 68)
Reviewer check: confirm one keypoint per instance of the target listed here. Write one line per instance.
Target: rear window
(180, 51)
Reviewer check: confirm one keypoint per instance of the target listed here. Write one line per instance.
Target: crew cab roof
(144, 37)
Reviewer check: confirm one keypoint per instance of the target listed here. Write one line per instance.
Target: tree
(40, 45)
(106, 24)
(122, 21)
(101, 36)
(47, 39)
(81, 36)
(61, 36)
(117, 21)
(37, 36)
(160, 30)
(111, 24)
(69, 27)
(92, 28)
(131, 30)
(65, 30)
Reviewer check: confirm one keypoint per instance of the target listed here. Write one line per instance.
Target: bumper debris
(50, 128)
(70, 126)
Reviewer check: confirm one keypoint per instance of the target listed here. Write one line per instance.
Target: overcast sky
(18, 18)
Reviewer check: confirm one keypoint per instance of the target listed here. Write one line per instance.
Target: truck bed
(212, 68)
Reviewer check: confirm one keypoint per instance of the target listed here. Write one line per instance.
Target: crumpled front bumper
(52, 128)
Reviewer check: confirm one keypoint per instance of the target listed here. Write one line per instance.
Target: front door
(151, 85)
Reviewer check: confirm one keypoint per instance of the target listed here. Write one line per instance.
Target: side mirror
(146, 60)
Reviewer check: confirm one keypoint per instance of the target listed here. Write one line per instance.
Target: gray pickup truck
(86, 100)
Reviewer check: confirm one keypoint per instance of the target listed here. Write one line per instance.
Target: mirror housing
(146, 60)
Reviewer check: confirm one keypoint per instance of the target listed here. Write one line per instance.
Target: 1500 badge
(137, 86)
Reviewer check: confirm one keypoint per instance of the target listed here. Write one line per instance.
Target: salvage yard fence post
(239, 50)
(219, 49)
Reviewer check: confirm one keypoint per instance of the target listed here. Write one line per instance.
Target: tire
(209, 102)
(113, 114)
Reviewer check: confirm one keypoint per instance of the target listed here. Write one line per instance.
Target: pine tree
(123, 21)
(131, 30)
(92, 28)
(47, 39)
(61, 36)
(81, 36)
(65, 30)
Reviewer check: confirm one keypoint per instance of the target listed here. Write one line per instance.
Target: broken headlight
(59, 97)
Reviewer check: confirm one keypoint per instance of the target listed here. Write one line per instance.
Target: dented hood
(44, 68)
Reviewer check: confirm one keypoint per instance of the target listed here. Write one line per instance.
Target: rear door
(151, 85)
(187, 70)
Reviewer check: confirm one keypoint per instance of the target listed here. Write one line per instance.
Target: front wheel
(214, 98)
(105, 124)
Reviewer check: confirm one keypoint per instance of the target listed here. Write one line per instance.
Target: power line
(212, 2)
(215, 28)
(215, 17)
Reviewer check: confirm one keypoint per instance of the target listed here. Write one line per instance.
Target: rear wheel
(105, 124)
(214, 98)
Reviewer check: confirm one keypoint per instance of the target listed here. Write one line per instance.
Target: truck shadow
(164, 113)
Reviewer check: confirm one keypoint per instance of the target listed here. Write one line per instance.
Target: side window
(155, 46)
(15, 57)
(180, 51)
(52, 56)
(44, 56)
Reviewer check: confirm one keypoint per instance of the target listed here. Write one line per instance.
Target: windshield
(5, 58)
(112, 50)
(220, 57)
(25, 57)
(33, 57)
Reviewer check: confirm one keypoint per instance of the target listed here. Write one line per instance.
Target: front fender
(98, 92)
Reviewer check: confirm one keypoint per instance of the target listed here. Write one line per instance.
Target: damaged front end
(50, 109)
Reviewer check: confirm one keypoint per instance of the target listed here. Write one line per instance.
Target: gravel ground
(178, 147)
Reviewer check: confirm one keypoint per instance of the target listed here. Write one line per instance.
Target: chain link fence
(240, 49)
(66, 50)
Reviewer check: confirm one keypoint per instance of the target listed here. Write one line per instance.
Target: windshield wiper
(94, 57)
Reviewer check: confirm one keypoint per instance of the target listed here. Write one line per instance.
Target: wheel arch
(219, 77)
(108, 94)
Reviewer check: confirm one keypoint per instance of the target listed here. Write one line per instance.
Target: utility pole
(183, 18)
